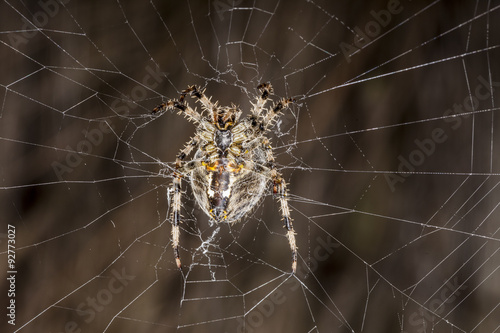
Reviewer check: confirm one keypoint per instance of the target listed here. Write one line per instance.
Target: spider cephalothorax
(233, 161)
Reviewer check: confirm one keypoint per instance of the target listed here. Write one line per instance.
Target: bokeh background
(390, 152)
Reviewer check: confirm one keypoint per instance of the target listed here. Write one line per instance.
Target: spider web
(390, 152)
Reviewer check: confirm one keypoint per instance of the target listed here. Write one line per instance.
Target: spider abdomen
(225, 191)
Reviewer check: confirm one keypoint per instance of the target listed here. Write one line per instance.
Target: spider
(233, 161)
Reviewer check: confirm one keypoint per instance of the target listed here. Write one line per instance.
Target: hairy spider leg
(176, 217)
(181, 168)
(279, 188)
(265, 91)
(183, 108)
(274, 112)
(223, 117)
(261, 121)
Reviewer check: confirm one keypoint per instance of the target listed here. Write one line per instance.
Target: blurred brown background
(394, 200)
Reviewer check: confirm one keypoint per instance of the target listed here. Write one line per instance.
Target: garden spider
(233, 161)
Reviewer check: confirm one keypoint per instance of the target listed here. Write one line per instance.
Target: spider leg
(176, 217)
(181, 168)
(262, 121)
(201, 97)
(220, 115)
(205, 102)
(266, 89)
(190, 146)
(180, 105)
(275, 111)
(279, 189)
